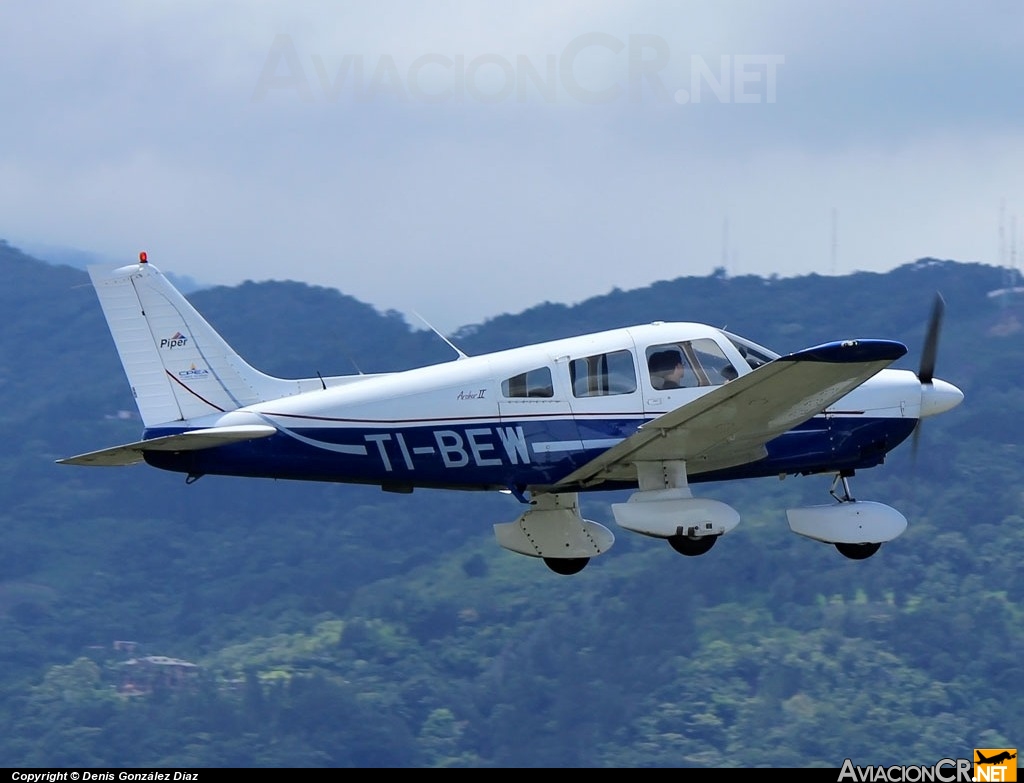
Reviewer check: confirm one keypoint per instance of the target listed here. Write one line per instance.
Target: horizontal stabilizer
(194, 440)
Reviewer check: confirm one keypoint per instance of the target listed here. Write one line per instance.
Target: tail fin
(178, 366)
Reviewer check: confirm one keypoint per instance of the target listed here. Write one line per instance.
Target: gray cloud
(452, 172)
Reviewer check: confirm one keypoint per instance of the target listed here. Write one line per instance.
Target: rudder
(178, 366)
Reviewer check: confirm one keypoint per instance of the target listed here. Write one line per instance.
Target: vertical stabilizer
(177, 365)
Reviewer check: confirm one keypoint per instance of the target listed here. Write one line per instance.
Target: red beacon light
(143, 258)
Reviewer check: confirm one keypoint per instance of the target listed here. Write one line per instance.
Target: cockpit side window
(712, 361)
(534, 383)
(603, 374)
(688, 364)
(669, 367)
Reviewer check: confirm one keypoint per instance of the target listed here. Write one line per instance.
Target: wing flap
(193, 440)
(731, 424)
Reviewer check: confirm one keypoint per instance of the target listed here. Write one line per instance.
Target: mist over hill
(330, 625)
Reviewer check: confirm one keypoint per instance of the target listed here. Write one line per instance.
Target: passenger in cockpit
(666, 370)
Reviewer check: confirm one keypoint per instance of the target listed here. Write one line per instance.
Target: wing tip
(851, 351)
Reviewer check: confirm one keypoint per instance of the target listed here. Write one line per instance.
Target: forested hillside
(268, 623)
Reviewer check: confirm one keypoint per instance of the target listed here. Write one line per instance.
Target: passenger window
(535, 383)
(603, 374)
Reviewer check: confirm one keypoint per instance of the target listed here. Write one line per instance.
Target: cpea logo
(193, 373)
(995, 764)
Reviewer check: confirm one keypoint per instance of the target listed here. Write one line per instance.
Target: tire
(566, 566)
(857, 551)
(692, 547)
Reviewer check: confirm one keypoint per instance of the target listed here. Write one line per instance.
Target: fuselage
(525, 418)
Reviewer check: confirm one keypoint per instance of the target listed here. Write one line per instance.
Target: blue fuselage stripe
(529, 452)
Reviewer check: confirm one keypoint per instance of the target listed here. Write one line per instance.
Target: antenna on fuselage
(451, 345)
(348, 356)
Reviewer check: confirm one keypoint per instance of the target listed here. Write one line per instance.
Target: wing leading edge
(731, 424)
(131, 453)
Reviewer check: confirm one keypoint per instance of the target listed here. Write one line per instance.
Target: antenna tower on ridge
(835, 237)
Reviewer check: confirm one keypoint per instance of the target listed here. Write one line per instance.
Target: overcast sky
(465, 159)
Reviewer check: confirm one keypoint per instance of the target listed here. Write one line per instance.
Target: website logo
(995, 764)
(593, 68)
(942, 771)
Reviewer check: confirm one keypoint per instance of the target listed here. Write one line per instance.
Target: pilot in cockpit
(666, 370)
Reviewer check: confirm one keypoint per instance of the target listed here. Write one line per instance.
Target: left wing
(193, 440)
(731, 424)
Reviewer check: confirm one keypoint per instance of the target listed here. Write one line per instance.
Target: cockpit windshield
(754, 354)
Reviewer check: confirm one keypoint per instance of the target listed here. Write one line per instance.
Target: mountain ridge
(334, 625)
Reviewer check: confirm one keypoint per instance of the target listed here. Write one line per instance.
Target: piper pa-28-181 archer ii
(652, 408)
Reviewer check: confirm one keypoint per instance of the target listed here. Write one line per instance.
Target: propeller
(926, 372)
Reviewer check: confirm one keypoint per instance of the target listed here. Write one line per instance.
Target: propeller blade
(931, 341)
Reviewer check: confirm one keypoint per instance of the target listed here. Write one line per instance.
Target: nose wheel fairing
(857, 528)
(852, 522)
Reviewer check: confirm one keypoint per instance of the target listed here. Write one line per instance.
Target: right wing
(730, 425)
(131, 453)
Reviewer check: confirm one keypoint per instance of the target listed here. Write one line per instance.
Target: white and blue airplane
(654, 408)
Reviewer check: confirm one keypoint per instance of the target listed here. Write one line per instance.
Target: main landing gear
(664, 507)
(554, 531)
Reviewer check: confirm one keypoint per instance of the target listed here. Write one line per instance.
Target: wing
(731, 424)
(130, 453)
